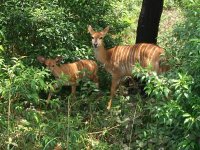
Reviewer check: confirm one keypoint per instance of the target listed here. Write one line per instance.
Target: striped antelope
(119, 60)
(74, 71)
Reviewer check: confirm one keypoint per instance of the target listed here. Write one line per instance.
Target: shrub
(51, 28)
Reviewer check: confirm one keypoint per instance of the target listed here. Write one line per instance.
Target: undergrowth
(167, 117)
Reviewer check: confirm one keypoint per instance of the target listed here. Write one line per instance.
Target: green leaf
(1, 48)
(187, 120)
(166, 92)
(186, 95)
(186, 115)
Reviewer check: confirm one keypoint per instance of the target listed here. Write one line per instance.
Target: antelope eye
(53, 66)
(92, 37)
(101, 38)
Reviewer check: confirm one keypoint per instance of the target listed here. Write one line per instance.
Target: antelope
(120, 60)
(74, 71)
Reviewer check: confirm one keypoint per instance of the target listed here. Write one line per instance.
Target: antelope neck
(101, 54)
(56, 71)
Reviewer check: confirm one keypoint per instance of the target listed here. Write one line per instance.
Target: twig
(104, 130)
(9, 112)
(134, 117)
(68, 121)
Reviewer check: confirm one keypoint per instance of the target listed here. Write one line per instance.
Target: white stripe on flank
(152, 50)
(148, 52)
(138, 55)
(121, 62)
(134, 59)
(144, 54)
(123, 59)
(130, 57)
(120, 55)
(153, 54)
(115, 55)
(127, 60)
(147, 47)
(141, 55)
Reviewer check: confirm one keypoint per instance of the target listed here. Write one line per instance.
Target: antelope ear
(41, 59)
(105, 31)
(90, 30)
(59, 59)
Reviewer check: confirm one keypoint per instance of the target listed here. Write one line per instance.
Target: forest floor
(169, 18)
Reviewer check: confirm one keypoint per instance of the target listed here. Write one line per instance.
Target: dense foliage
(168, 118)
(54, 27)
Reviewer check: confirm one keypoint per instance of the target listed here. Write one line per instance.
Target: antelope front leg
(49, 97)
(55, 86)
(115, 83)
(73, 92)
(96, 81)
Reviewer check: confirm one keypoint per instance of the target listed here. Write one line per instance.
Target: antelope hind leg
(115, 83)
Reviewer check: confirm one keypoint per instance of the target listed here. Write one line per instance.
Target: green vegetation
(169, 118)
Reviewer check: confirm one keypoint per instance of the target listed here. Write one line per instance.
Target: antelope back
(87, 67)
(123, 58)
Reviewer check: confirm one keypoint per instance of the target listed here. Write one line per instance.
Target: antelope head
(50, 63)
(97, 37)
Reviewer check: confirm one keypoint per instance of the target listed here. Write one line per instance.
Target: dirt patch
(169, 18)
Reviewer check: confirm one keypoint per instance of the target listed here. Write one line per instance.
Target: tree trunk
(148, 24)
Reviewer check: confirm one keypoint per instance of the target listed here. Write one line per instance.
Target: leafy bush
(173, 110)
(19, 81)
(19, 89)
(167, 119)
(51, 28)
